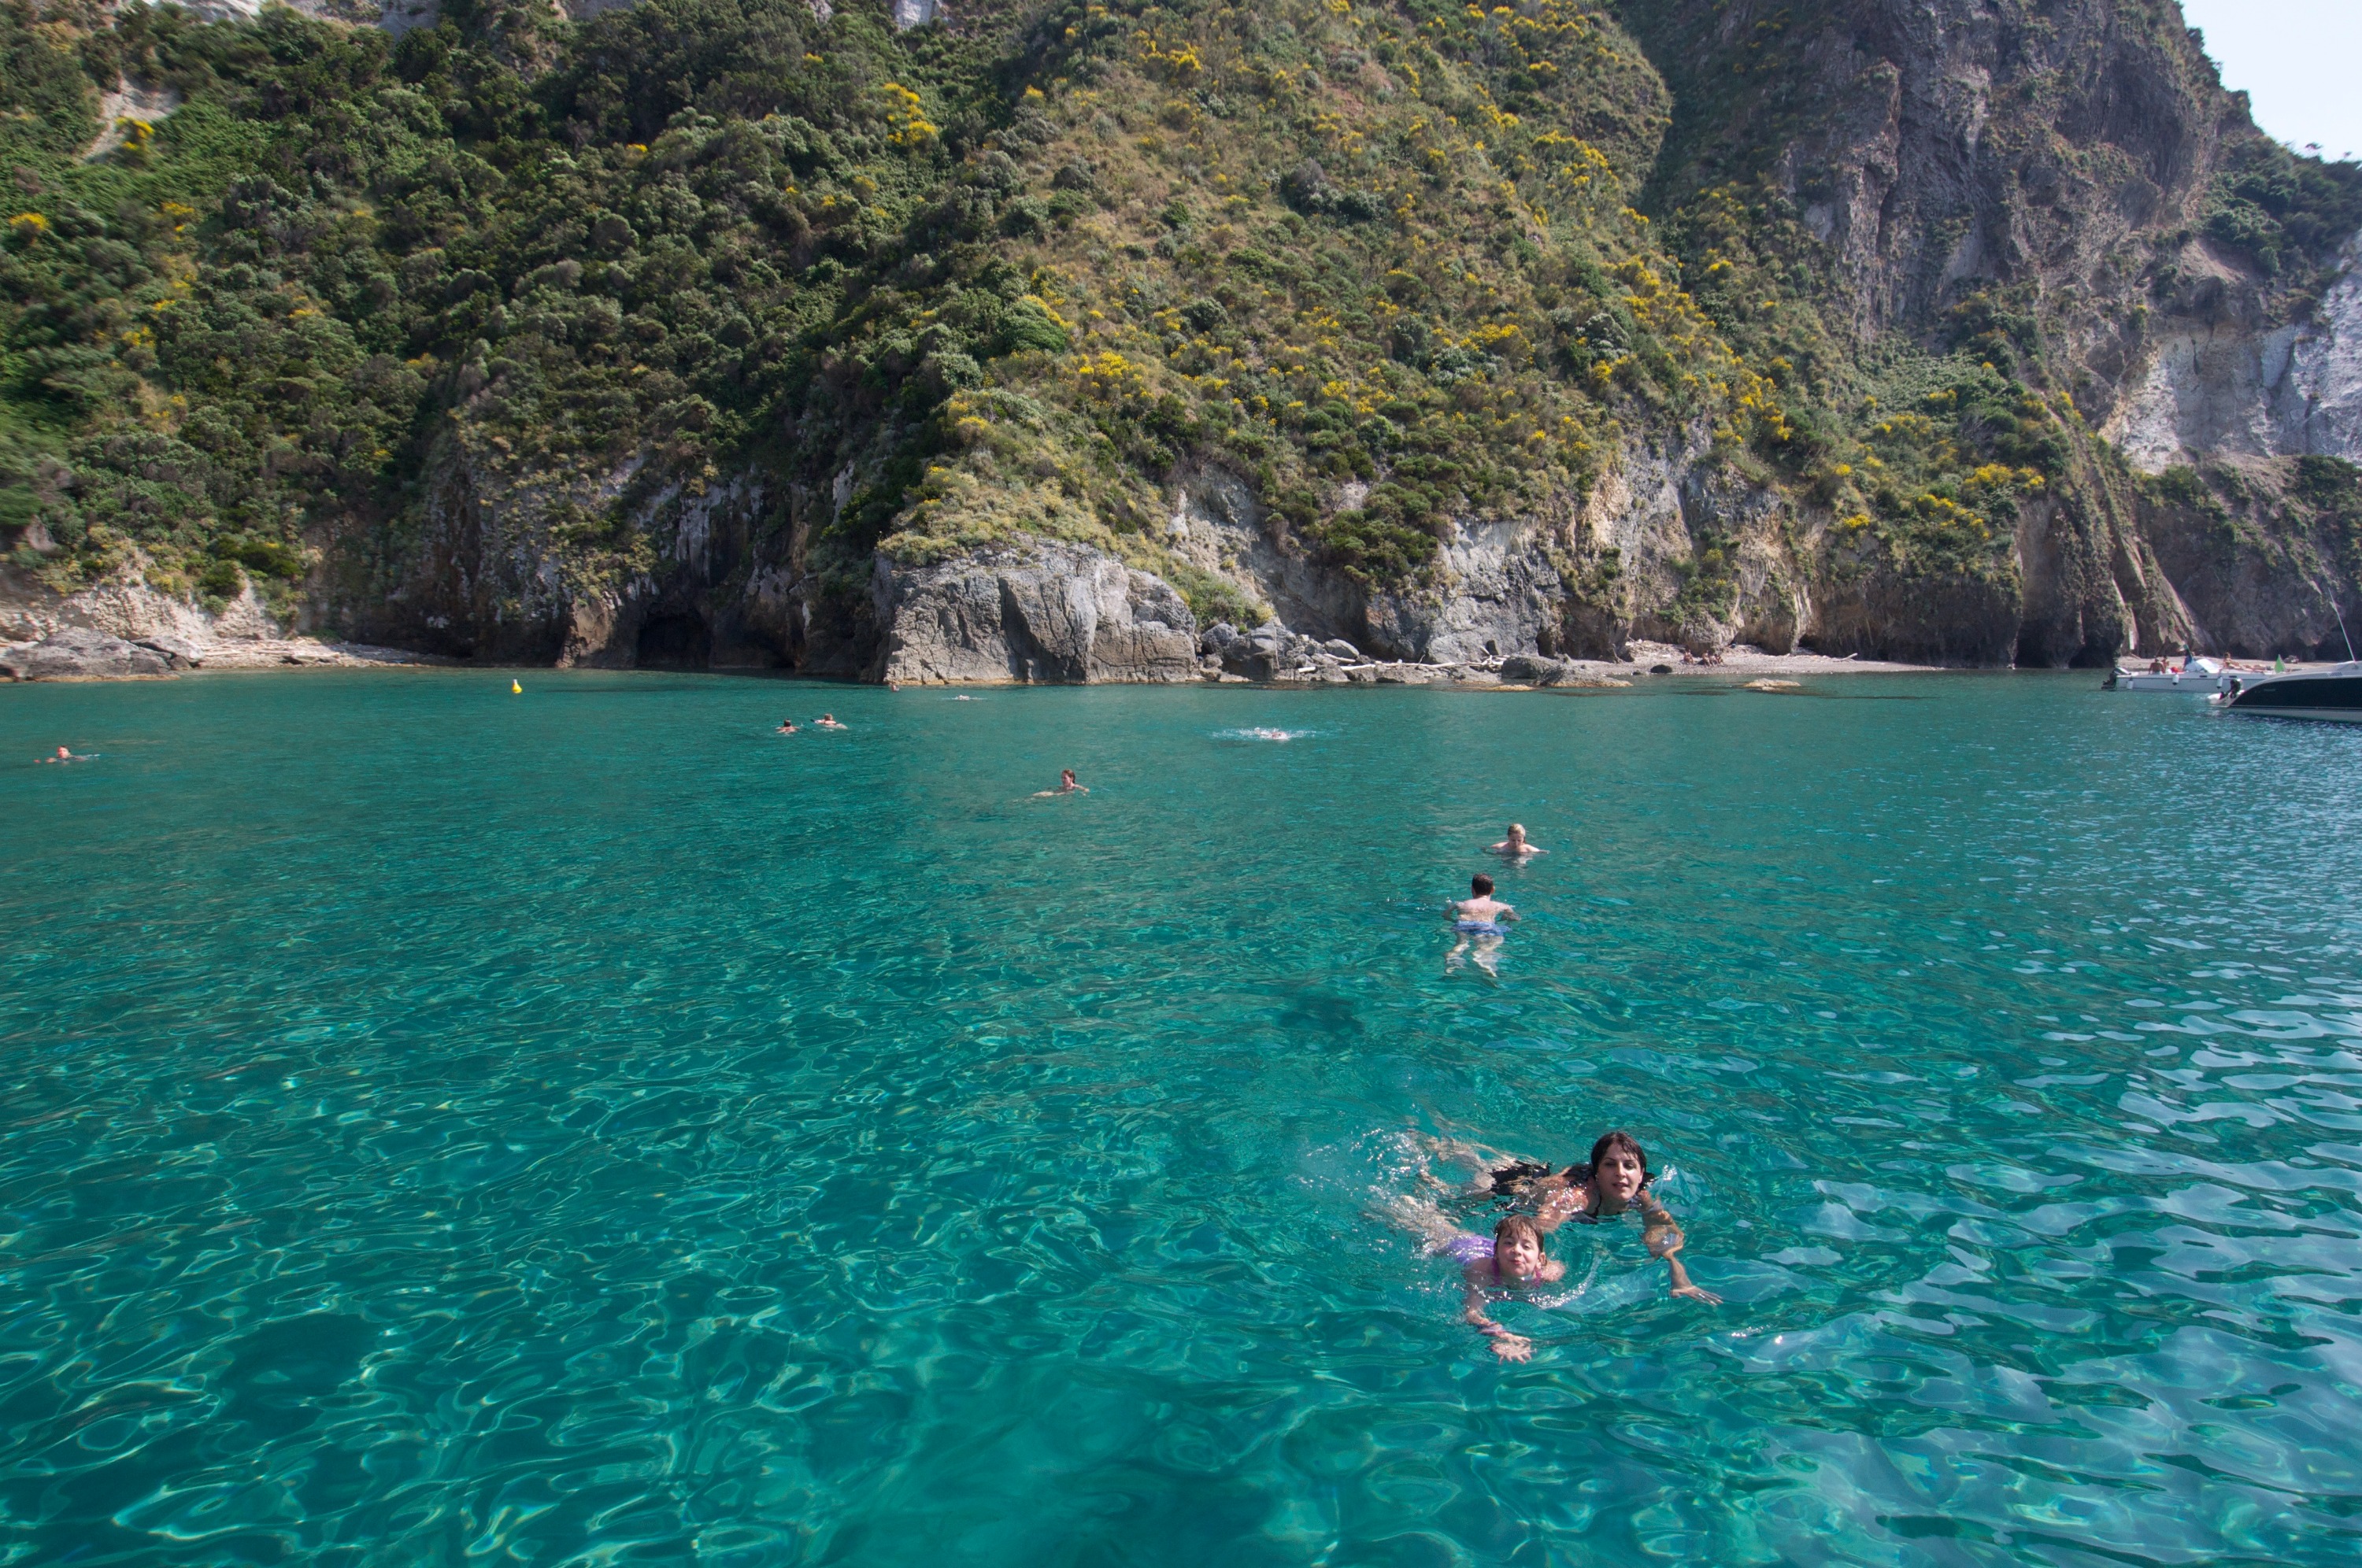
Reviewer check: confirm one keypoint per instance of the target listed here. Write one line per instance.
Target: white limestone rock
(1039, 611)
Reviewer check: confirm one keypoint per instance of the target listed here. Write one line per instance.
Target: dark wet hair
(1618, 1139)
(1510, 1225)
(1481, 885)
(1513, 1180)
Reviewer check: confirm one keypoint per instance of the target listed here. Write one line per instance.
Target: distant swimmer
(1067, 786)
(1478, 919)
(827, 722)
(787, 727)
(65, 755)
(893, 686)
(1515, 846)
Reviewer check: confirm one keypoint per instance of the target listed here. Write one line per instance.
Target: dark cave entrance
(672, 641)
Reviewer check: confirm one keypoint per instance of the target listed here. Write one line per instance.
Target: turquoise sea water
(442, 1126)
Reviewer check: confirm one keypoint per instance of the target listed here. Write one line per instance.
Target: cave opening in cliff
(674, 641)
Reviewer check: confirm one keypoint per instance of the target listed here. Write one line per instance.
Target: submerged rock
(78, 653)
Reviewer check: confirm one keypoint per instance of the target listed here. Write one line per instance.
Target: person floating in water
(1514, 1257)
(65, 755)
(1067, 786)
(1478, 918)
(1515, 846)
(827, 722)
(787, 727)
(1614, 1183)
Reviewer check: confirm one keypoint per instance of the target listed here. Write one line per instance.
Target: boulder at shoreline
(78, 653)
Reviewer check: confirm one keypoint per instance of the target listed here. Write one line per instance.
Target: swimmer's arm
(1506, 1345)
(1559, 1204)
(1665, 1240)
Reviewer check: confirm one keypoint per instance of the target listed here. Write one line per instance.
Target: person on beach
(1067, 786)
(1616, 1182)
(787, 727)
(1514, 1257)
(1515, 846)
(1478, 918)
(827, 722)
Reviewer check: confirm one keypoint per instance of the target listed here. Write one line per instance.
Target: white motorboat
(2196, 676)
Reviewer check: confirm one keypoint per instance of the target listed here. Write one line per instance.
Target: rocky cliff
(1063, 342)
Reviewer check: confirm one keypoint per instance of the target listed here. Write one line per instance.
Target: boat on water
(2197, 676)
(2335, 694)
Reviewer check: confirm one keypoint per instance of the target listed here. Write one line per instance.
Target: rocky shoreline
(1053, 614)
(128, 631)
(83, 653)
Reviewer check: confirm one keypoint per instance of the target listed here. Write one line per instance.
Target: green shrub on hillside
(1381, 261)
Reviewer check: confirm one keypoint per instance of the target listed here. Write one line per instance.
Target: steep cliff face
(2227, 377)
(1024, 340)
(2027, 189)
(2063, 190)
(2262, 546)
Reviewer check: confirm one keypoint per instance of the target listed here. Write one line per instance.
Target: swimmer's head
(1517, 1251)
(1516, 832)
(1619, 1168)
(63, 754)
(1067, 777)
(1481, 885)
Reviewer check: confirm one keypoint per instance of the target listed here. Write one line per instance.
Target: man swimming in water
(1515, 846)
(1067, 786)
(787, 727)
(65, 755)
(1478, 918)
(828, 722)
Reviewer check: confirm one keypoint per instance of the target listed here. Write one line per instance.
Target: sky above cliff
(2296, 61)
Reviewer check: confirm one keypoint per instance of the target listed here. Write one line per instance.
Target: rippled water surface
(448, 1126)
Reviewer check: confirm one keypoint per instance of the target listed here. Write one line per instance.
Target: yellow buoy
(515, 689)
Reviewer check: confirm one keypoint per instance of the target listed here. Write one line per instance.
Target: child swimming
(1514, 1257)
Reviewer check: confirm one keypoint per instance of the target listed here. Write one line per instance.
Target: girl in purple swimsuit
(1513, 1257)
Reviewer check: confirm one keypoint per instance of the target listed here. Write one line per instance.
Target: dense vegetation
(1382, 258)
